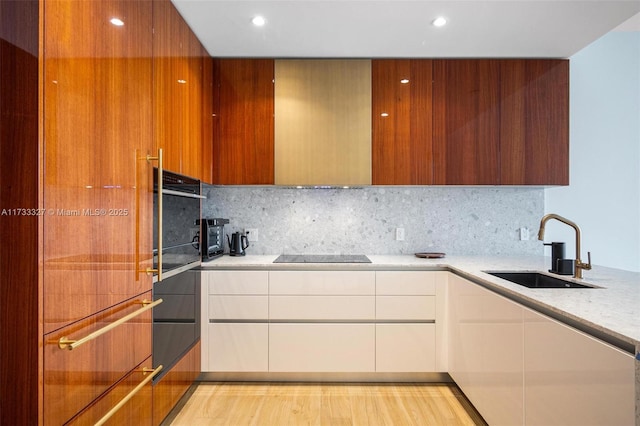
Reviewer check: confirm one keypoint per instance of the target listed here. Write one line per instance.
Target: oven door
(179, 219)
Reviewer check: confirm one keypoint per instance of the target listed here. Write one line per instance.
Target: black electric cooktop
(322, 258)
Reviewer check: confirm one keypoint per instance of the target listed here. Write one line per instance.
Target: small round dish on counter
(430, 255)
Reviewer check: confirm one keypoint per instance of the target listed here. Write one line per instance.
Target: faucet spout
(579, 264)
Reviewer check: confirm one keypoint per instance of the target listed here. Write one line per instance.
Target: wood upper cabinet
(401, 97)
(170, 82)
(466, 122)
(191, 151)
(244, 138)
(534, 122)
(209, 94)
(178, 91)
(501, 122)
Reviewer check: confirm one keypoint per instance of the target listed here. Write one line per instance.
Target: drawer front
(322, 282)
(237, 282)
(326, 308)
(183, 283)
(137, 411)
(238, 347)
(176, 307)
(406, 282)
(322, 347)
(238, 307)
(402, 348)
(74, 378)
(406, 308)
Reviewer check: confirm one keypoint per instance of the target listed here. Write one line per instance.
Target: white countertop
(613, 309)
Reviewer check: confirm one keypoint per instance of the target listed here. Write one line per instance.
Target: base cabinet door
(574, 379)
(238, 347)
(322, 347)
(486, 358)
(404, 348)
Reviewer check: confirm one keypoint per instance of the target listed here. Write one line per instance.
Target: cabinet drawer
(238, 307)
(405, 348)
(237, 282)
(74, 378)
(137, 411)
(406, 282)
(176, 307)
(322, 282)
(405, 307)
(322, 347)
(321, 308)
(238, 347)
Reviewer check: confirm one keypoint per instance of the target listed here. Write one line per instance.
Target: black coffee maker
(237, 244)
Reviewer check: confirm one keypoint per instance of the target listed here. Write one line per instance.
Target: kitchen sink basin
(537, 280)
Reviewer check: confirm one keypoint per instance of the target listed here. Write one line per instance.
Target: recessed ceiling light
(404, 81)
(258, 21)
(440, 21)
(182, 81)
(117, 22)
(384, 114)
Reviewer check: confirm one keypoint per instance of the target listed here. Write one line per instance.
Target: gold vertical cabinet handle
(159, 159)
(131, 394)
(69, 344)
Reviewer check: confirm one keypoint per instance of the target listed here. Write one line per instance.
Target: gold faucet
(579, 265)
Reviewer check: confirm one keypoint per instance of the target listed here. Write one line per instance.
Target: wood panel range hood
(323, 122)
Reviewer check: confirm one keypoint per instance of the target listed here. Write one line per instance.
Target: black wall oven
(177, 218)
(176, 321)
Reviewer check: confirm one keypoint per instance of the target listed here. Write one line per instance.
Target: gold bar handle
(69, 344)
(130, 395)
(159, 158)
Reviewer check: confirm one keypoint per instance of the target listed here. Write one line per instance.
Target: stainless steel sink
(536, 280)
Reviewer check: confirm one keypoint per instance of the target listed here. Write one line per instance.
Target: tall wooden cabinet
(77, 121)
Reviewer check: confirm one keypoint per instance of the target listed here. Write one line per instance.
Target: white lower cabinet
(486, 351)
(322, 347)
(238, 347)
(402, 348)
(518, 366)
(572, 378)
(235, 312)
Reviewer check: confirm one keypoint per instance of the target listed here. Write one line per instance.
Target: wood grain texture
(207, 117)
(534, 122)
(98, 120)
(466, 135)
(402, 150)
(327, 404)
(174, 384)
(20, 301)
(137, 411)
(243, 155)
(191, 151)
(170, 83)
(323, 122)
(73, 379)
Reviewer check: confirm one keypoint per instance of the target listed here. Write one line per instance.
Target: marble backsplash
(454, 220)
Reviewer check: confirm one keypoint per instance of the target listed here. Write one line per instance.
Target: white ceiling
(398, 28)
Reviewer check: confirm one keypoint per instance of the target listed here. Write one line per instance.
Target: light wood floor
(327, 404)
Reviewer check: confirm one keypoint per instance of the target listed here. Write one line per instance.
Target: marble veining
(454, 220)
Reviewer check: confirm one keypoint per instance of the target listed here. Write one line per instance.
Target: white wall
(603, 197)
